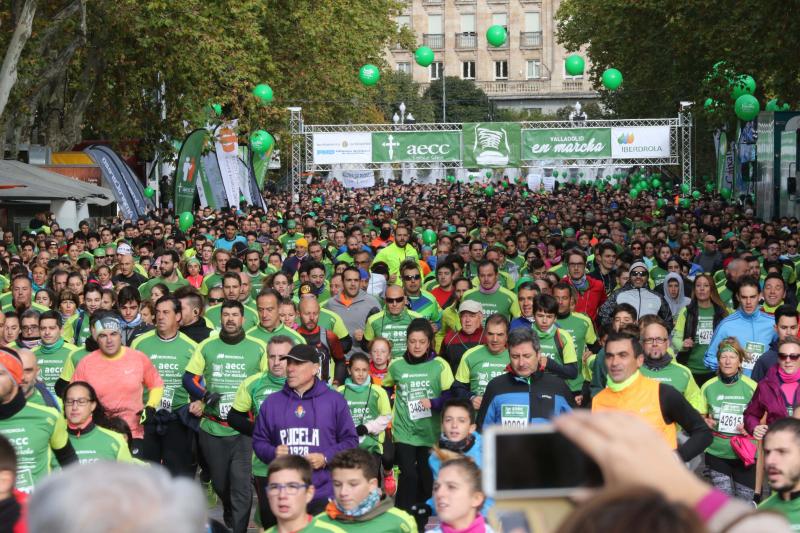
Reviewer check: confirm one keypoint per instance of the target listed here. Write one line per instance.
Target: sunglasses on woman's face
(792, 356)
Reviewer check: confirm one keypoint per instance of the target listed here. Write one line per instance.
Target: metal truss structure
(680, 144)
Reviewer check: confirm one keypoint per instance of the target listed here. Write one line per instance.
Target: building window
(436, 70)
(404, 20)
(500, 19)
(404, 66)
(501, 70)
(468, 70)
(435, 24)
(534, 70)
(532, 21)
(468, 22)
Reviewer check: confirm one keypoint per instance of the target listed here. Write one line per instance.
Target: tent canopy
(28, 182)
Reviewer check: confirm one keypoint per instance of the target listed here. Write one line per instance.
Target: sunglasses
(395, 300)
(215, 300)
(792, 356)
(415, 277)
(638, 274)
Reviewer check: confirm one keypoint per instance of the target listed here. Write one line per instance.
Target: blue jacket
(317, 422)
(474, 453)
(541, 397)
(757, 328)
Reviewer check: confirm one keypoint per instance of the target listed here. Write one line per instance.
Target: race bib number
(754, 351)
(704, 336)
(166, 400)
(24, 481)
(730, 418)
(225, 404)
(417, 411)
(514, 416)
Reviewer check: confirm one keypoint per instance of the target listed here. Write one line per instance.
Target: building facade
(526, 73)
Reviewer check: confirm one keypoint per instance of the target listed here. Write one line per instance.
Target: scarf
(367, 505)
(459, 446)
(729, 380)
(546, 335)
(377, 372)
(658, 364)
(48, 349)
(355, 387)
(235, 338)
(477, 526)
(580, 284)
(788, 378)
(133, 323)
(789, 384)
(489, 291)
(619, 387)
(28, 342)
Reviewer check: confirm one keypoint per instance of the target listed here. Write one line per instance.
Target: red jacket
(589, 301)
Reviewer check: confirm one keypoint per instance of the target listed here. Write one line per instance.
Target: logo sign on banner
(346, 147)
(572, 143)
(640, 142)
(411, 146)
(491, 144)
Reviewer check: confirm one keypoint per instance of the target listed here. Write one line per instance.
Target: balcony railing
(466, 2)
(574, 86)
(530, 39)
(434, 41)
(521, 88)
(432, 2)
(466, 40)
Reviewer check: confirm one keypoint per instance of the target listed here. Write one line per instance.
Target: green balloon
(644, 186)
(772, 105)
(709, 187)
(612, 79)
(696, 195)
(369, 74)
(317, 200)
(424, 56)
(685, 203)
(149, 192)
(786, 107)
(726, 194)
(555, 173)
(524, 194)
(263, 92)
(217, 109)
(747, 107)
(242, 198)
(489, 191)
(489, 174)
(685, 188)
(429, 237)
(580, 174)
(743, 84)
(661, 203)
(574, 65)
(634, 193)
(656, 183)
(185, 220)
(496, 35)
(261, 141)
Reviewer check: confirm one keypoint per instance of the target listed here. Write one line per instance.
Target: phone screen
(539, 461)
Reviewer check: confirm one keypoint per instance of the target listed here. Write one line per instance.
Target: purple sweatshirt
(317, 422)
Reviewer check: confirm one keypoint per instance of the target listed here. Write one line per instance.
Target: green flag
(187, 169)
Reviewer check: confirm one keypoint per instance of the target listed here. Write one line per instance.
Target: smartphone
(534, 462)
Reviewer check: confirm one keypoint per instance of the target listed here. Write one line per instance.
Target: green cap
(569, 232)
(291, 224)
(99, 252)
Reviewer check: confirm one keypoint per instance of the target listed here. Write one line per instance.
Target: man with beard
(169, 275)
(397, 252)
(782, 460)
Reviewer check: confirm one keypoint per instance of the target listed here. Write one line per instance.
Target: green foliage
(396, 87)
(466, 102)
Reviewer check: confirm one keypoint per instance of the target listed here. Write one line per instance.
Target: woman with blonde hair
(723, 401)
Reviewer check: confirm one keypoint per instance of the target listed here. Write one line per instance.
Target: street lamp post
(576, 115)
(403, 118)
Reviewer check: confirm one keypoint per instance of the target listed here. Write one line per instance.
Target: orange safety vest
(640, 398)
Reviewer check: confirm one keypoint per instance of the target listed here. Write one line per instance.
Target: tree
(396, 87)
(466, 102)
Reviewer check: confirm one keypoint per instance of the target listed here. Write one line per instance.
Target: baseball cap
(302, 353)
(11, 361)
(301, 242)
(637, 264)
(470, 306)
(100, 252)
(291, 224)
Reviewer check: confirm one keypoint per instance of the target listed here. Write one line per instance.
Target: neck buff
(364, 507)
(729, 380)
(788, 378)
(658, 364)
(355, 387)
(546, 335)
(234, 338)
(581, 284)
(619, 387)
(477, 526)
(459, 446)
(489, 291)
(47, 349)
(133, 323)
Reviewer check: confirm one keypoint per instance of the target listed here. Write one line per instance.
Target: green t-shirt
(249, 397)
(502, 301)
(412, 423)
(35, 432)
(391, 327)
(314, 526)
(51, 361)
(581, 329)
(658, 275)
(100, 444)
(224, 367)
(702, 337)
(726, 405)
(562, 351)
(367, 402)
(265, 336)
(332, 322)
(146, 287)
(679, 377)
(210, 280)
(170, 358)
(71, 363)
(790, 509)
(214, 315)
(479, 366)
(69, 333)
(289, 242)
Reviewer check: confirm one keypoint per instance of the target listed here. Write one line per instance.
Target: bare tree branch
(8, 71)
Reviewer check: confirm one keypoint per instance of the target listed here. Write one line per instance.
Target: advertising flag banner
(492, 144)
(116, 181)
(227, 148)
(640, 142)
(186, 169)
(572, 143)
(344, 147)
(416, 146)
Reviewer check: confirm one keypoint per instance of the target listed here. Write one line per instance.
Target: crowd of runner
(338, 357)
